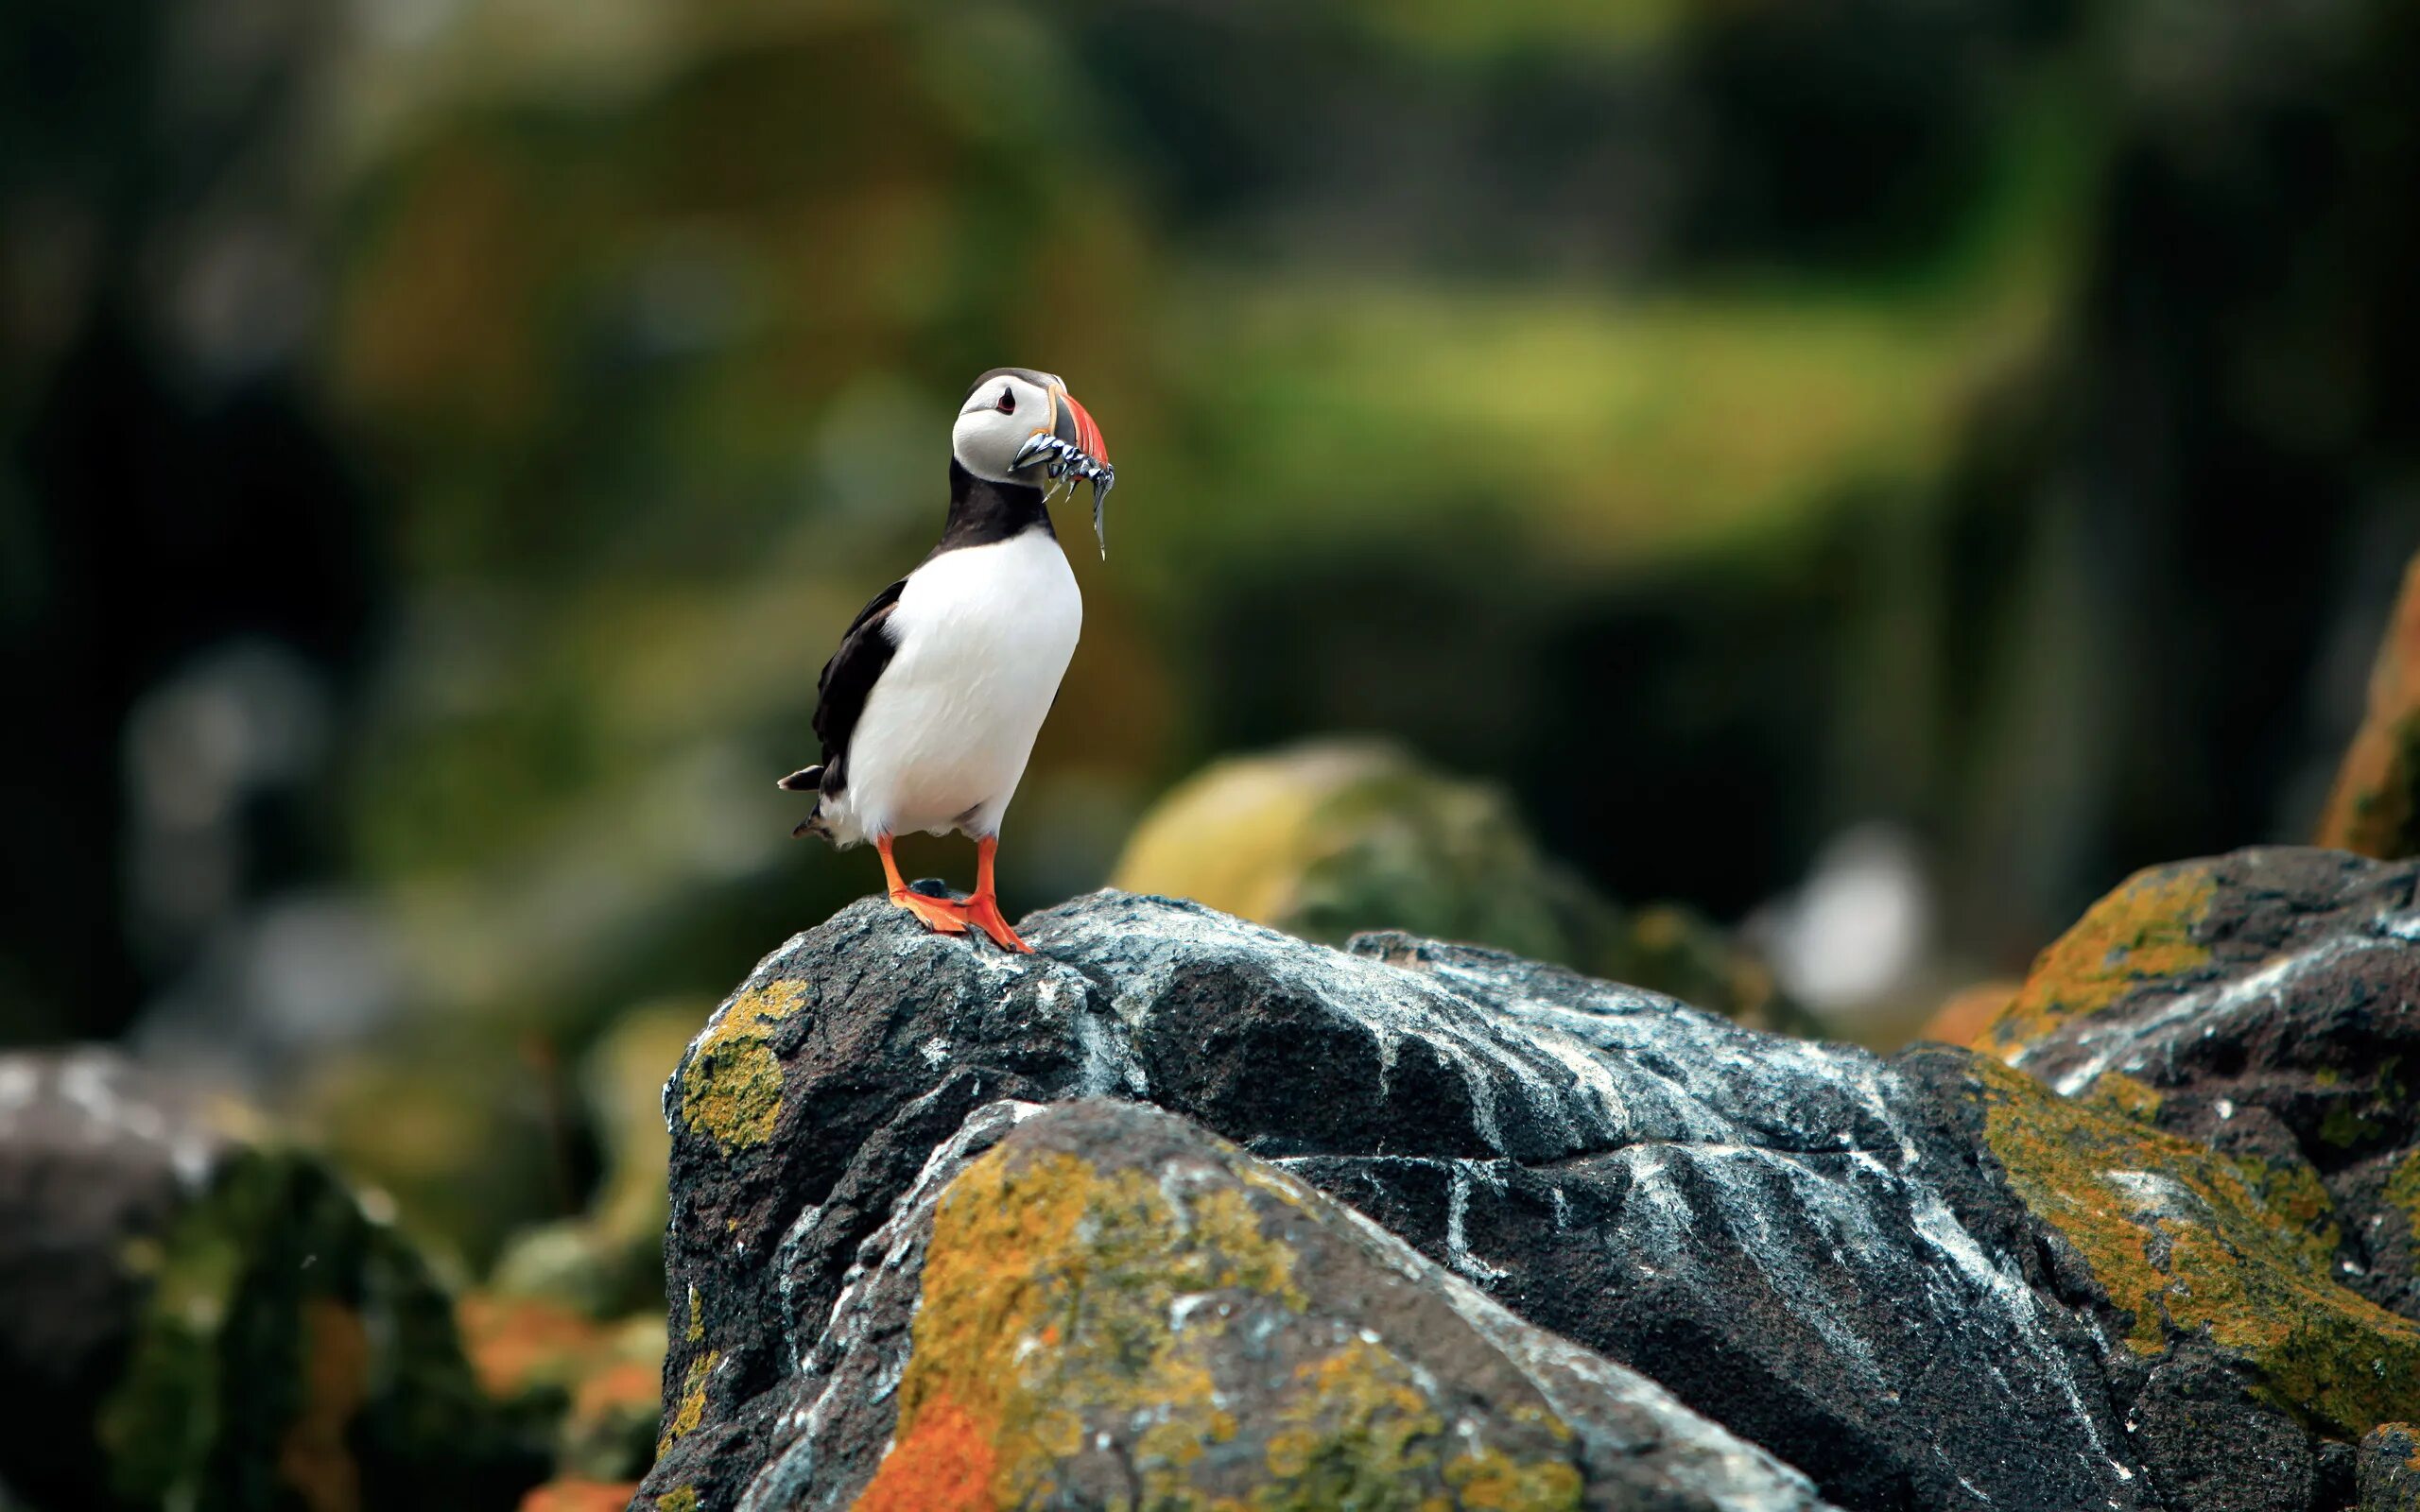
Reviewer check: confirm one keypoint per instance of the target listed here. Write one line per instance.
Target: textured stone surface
(1931, 1281)
(1763, 1225)
(2265, 1003)
(2389, 1469)
(190, 1318)
(1113, 1307)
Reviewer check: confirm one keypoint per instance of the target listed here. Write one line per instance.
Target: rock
(2236, 1158)
(1108, 1306)
(2389, 1469)
(192, 1317)
(1331, 837)
(1801, 1242)
(2374, 810)
(2265, 1005)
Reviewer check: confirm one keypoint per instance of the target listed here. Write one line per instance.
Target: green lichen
(2141, 932)
(2184, 1241)
(732, 1087)
(2116, 1093)
(291, 1352)
(679, 1499)
(2403, 1187)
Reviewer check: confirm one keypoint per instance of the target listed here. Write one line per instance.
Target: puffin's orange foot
(941, 914)
(983, 912)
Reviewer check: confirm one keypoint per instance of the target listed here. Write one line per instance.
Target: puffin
(928, 711)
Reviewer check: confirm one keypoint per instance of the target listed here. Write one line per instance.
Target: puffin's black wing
(848, 677)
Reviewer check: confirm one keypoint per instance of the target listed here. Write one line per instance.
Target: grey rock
(1360, 1302)
(1801, 1242)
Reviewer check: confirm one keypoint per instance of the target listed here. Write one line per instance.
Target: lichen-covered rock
(1801, 1242)
(1098, 1304)
(1331, 838)
(2374, 810)
(2389, 1469)
(191, 1319)
(2265, 1005)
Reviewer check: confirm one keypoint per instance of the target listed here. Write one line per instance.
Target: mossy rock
(2264, 1004)
(1100, 1304)
(1331, 838)
(2186, 1242)
(245, 1336)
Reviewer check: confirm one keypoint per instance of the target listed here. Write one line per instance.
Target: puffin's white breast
(983, 635)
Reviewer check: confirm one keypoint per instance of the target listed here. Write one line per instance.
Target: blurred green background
(1879, 470)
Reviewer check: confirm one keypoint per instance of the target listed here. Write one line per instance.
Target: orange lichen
(313, 1459)
(2374, 810)
(945, 1463)
(515, 1341)
(579, 1496)
(2141, 933)
(1059, 1297)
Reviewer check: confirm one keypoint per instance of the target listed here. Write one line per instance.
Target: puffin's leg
(984, 909)
(937, 913)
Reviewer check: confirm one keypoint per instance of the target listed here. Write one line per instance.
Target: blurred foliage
(1710, 425)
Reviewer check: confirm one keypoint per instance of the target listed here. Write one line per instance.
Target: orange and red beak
(1074, 425)
(1083, 452)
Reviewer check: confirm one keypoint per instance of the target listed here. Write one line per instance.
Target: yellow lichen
(1493, 1481)
(2183, 1242)
(732, 1088)
(2116, 1093)
(696, 1321)
(679, 1499)
(692, 1410)
(1057, 1296)
(2141, 932)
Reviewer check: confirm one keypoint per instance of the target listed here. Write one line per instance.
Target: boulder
(2266, 1006)
(1764, 1226)
(1100, 1304)
(193, 1317)
(1332, 837)
(1931, 1281)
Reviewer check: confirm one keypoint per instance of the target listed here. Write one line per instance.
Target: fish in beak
(1075, 449)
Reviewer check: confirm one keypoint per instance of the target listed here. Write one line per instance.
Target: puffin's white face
(1006, 408)
(1022, 426)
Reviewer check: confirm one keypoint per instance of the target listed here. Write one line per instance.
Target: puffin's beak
(1073, 444)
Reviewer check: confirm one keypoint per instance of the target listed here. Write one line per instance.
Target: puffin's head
(1021, 426)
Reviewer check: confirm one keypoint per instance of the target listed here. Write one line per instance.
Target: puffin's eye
(1007, 405)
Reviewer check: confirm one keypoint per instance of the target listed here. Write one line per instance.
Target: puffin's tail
(806, 779)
